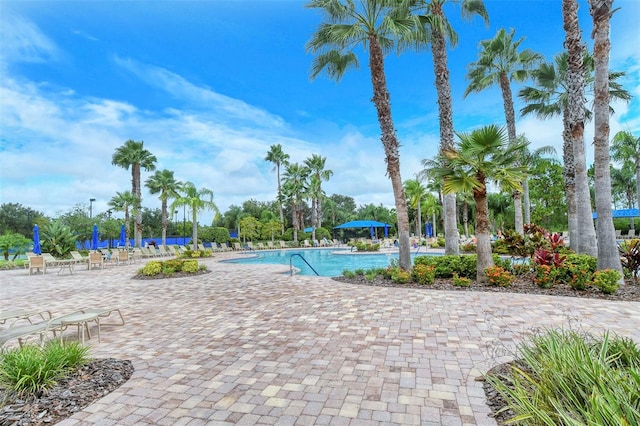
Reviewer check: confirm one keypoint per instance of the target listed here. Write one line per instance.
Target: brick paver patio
(252, 345)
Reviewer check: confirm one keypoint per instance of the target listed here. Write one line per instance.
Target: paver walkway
(251, 345)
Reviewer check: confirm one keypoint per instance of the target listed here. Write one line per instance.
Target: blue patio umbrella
(94, 239)
(123, 237)
(36, 240)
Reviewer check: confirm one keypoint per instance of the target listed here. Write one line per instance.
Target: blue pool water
(323, 261)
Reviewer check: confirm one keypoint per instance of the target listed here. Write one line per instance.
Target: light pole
(184, 225)
(91, 200)
(175, 224)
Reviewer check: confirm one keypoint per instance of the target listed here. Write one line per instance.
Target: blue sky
(209, 85)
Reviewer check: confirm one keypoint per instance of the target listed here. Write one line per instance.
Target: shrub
(607, 280)
(630, 258)
(468, 248)
(580, 275)
(423, 274)
(349, 274)
(173, 264)
(371, 274)
(461, 281)
(58, 239)
(152, 268)
(565, 378)
(190, 266)
(498, 276)
(359, 271)
(34, 369)
(400, 276)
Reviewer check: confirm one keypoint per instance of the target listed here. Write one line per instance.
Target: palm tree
(586, 234)
(608, 256)
(196, 200)
(431, 206)
(440, 33)
(529, 159)
(132, 154)
(625, 147)
(500, 63)
(482, 155)
(316, 164)
(548, 99)
(370, 24)
(278, 157)
(164, 183)
(122, 202)
(294, 188)
(415, 194)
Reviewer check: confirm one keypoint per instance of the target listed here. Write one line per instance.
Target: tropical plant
(249, 228)
(630, 257)
(123, 201)
(607, 280)
(482, 155)
(58, 239)
(608, 257)
(438, 31)
(13, 242)
(500, 63)
(279, 158)
(294, 188)
(415, 192)
(196, 200)
(133, 154)
(625, 148)
(167, 186)
(585, 235)
(371, 24)
(32, 369)
(317, 174)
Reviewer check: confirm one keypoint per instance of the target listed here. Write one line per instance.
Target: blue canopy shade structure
(371, 224)
(309, 229)
(622, 213)
(94, 238)
(36, 240)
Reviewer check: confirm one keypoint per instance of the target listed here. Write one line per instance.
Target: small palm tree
(625, 147)
(167, 186)
(373, 25)
(482, 155)
(500, 63)
(318, 174)
(294, 188)
(132, 154)
(196, 200)
(415, 194)
(279, 158)
(122, 202)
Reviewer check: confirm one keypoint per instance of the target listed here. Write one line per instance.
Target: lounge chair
(270, 245)
(37, 263)
(75, 255)
(123, 256)
(260, 246)
(163, 252)
(172, 251)
(23, 314)
(237, 247)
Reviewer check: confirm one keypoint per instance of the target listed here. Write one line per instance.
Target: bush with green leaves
(190, 266)
(32, 369)
(423, 274)
(569, 378)
(348, 273)
(607, 280)
(154, 267)
(58, 239)
(14, 243)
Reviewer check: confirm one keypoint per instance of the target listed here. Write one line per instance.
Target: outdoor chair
(260, 246)
(237, 247)
(283, 244)
(37, 263)
(75, 255)
(95, 258)
(270, 245)
(123, 256)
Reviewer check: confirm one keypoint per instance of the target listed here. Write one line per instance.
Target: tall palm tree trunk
(137, 219)
(526, 201)
(194, 229)
(510, 116)
(280, 200)
(164, 222)
(445, 113)
(569, 174)
(586, 234)
(608, 257)
(390, 143)
(483, 237)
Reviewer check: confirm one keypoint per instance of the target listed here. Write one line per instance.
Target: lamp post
(91, 200)
(184, 225)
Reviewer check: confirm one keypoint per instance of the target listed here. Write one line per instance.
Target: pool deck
(251, 345)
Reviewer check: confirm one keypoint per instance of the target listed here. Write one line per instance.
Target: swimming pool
(324, 261)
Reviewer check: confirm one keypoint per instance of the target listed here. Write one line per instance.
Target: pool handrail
(305, 261)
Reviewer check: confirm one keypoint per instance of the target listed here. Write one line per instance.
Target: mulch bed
(70, 395)
(174, 275)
